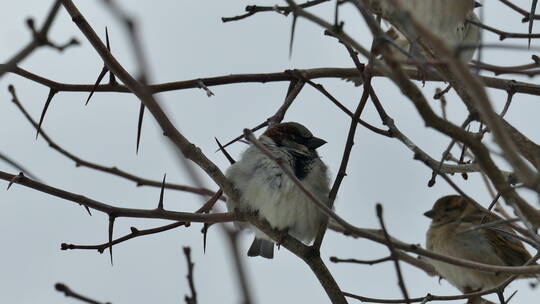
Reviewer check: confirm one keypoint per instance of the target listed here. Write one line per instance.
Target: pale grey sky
(185, 40)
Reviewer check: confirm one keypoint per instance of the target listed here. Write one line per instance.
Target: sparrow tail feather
(263, 248)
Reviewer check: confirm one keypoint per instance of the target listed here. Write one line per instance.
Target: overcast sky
(186, 40)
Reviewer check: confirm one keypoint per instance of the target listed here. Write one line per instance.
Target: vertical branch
(193, 298)
(393, 254)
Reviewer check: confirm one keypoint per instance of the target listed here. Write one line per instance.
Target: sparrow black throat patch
(302, 164)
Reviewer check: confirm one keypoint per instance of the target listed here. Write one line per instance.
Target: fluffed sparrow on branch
(445, 18)
(268, 191)
(453, 233)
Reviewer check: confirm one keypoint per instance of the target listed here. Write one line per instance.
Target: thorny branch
(443, 66)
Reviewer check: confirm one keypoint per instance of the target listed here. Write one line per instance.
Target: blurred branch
(39, 39)
(17, 166)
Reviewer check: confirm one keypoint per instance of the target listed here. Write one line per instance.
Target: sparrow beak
(315, 142)
(477, 4)
(430, 213)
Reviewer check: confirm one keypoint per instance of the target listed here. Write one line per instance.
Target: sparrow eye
(450, 208)
(299, 139)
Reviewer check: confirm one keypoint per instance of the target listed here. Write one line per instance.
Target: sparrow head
(451, 208)
(294, 137)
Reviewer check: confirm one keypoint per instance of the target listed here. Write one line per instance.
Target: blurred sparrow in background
(267, 190)
(453, 233)
(445, 18)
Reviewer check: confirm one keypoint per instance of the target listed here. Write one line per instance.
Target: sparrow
(452, 232)
(446, 19)
(267, 191)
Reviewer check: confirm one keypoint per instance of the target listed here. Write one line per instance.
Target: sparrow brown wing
(508, 248)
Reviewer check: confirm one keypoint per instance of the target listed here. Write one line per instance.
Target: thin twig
(193, 298)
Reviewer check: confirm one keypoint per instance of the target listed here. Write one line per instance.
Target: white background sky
(185, 40)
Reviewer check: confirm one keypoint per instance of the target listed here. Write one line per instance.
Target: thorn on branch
(139, 126)
(15, 179)
(112, 78)
(204, 231)
(102, 74)
(293, 27)
(222, 149)
(52, 92)
(87, 209)
(111, 228)
(160, 203)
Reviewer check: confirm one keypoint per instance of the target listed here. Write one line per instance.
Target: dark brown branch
(137, 233)
(285, 10)
(119, 211)
(525, 13)
(503, 34)
(429, 297)
(295, 88)
(363, 262)
(336, 102)
(315, 73)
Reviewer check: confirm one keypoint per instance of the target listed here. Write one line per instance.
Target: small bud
(61, 287)
(379, 209)
(30, 23)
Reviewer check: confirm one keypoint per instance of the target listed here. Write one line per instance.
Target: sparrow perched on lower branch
(454, 232)
(268, 191)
